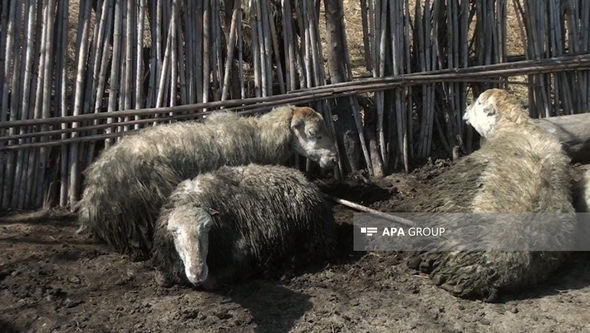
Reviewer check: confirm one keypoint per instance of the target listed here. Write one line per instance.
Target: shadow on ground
(273, 307)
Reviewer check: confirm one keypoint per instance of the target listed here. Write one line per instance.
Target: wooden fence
(163, 61)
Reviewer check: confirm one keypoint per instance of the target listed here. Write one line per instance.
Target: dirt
(52, 279)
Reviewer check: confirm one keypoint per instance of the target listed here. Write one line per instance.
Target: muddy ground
(52, 279)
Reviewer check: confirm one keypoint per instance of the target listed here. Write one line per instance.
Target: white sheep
(520, 168)
(234, 221)
(126, 186)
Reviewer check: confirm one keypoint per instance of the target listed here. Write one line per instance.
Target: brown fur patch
(505, 104)
(305, 112)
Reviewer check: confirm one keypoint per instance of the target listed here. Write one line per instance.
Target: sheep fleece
(520, 169)
(264, 215)
(126, 186)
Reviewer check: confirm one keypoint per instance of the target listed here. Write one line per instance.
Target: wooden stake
(82, 52)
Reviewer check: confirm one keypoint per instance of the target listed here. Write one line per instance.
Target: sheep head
(189, 227)
(492, 107)
(311, 137)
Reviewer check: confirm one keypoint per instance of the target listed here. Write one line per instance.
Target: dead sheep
(519, 169)
(236, 220)
(126, 186)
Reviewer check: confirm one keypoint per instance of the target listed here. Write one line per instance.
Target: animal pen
(71, 87)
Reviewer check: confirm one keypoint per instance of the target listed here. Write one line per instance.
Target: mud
(52, 279)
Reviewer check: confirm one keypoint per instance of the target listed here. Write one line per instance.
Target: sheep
(519, 169)
(127, 184)
(236, 220)
(582, 192)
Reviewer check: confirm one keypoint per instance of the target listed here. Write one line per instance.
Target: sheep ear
(298, 120)
(490, 110)
(303, 113)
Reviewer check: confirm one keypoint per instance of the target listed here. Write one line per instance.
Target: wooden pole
(74, 181)
(364, 209)
(4, 105)
(102, 74)
(255, 49)
(199, 51)
(115, 63)
(164, 77)
(275, 47)
(231, 47)
(130, 28)
(139, 72)
(22, 157)
(206, 50)
(11, 82)
(46, 100)
(62, 87)
(34, 155)
(241, 57)
(567, 63)
(173, 62)
(189, 15)
(289, 45)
